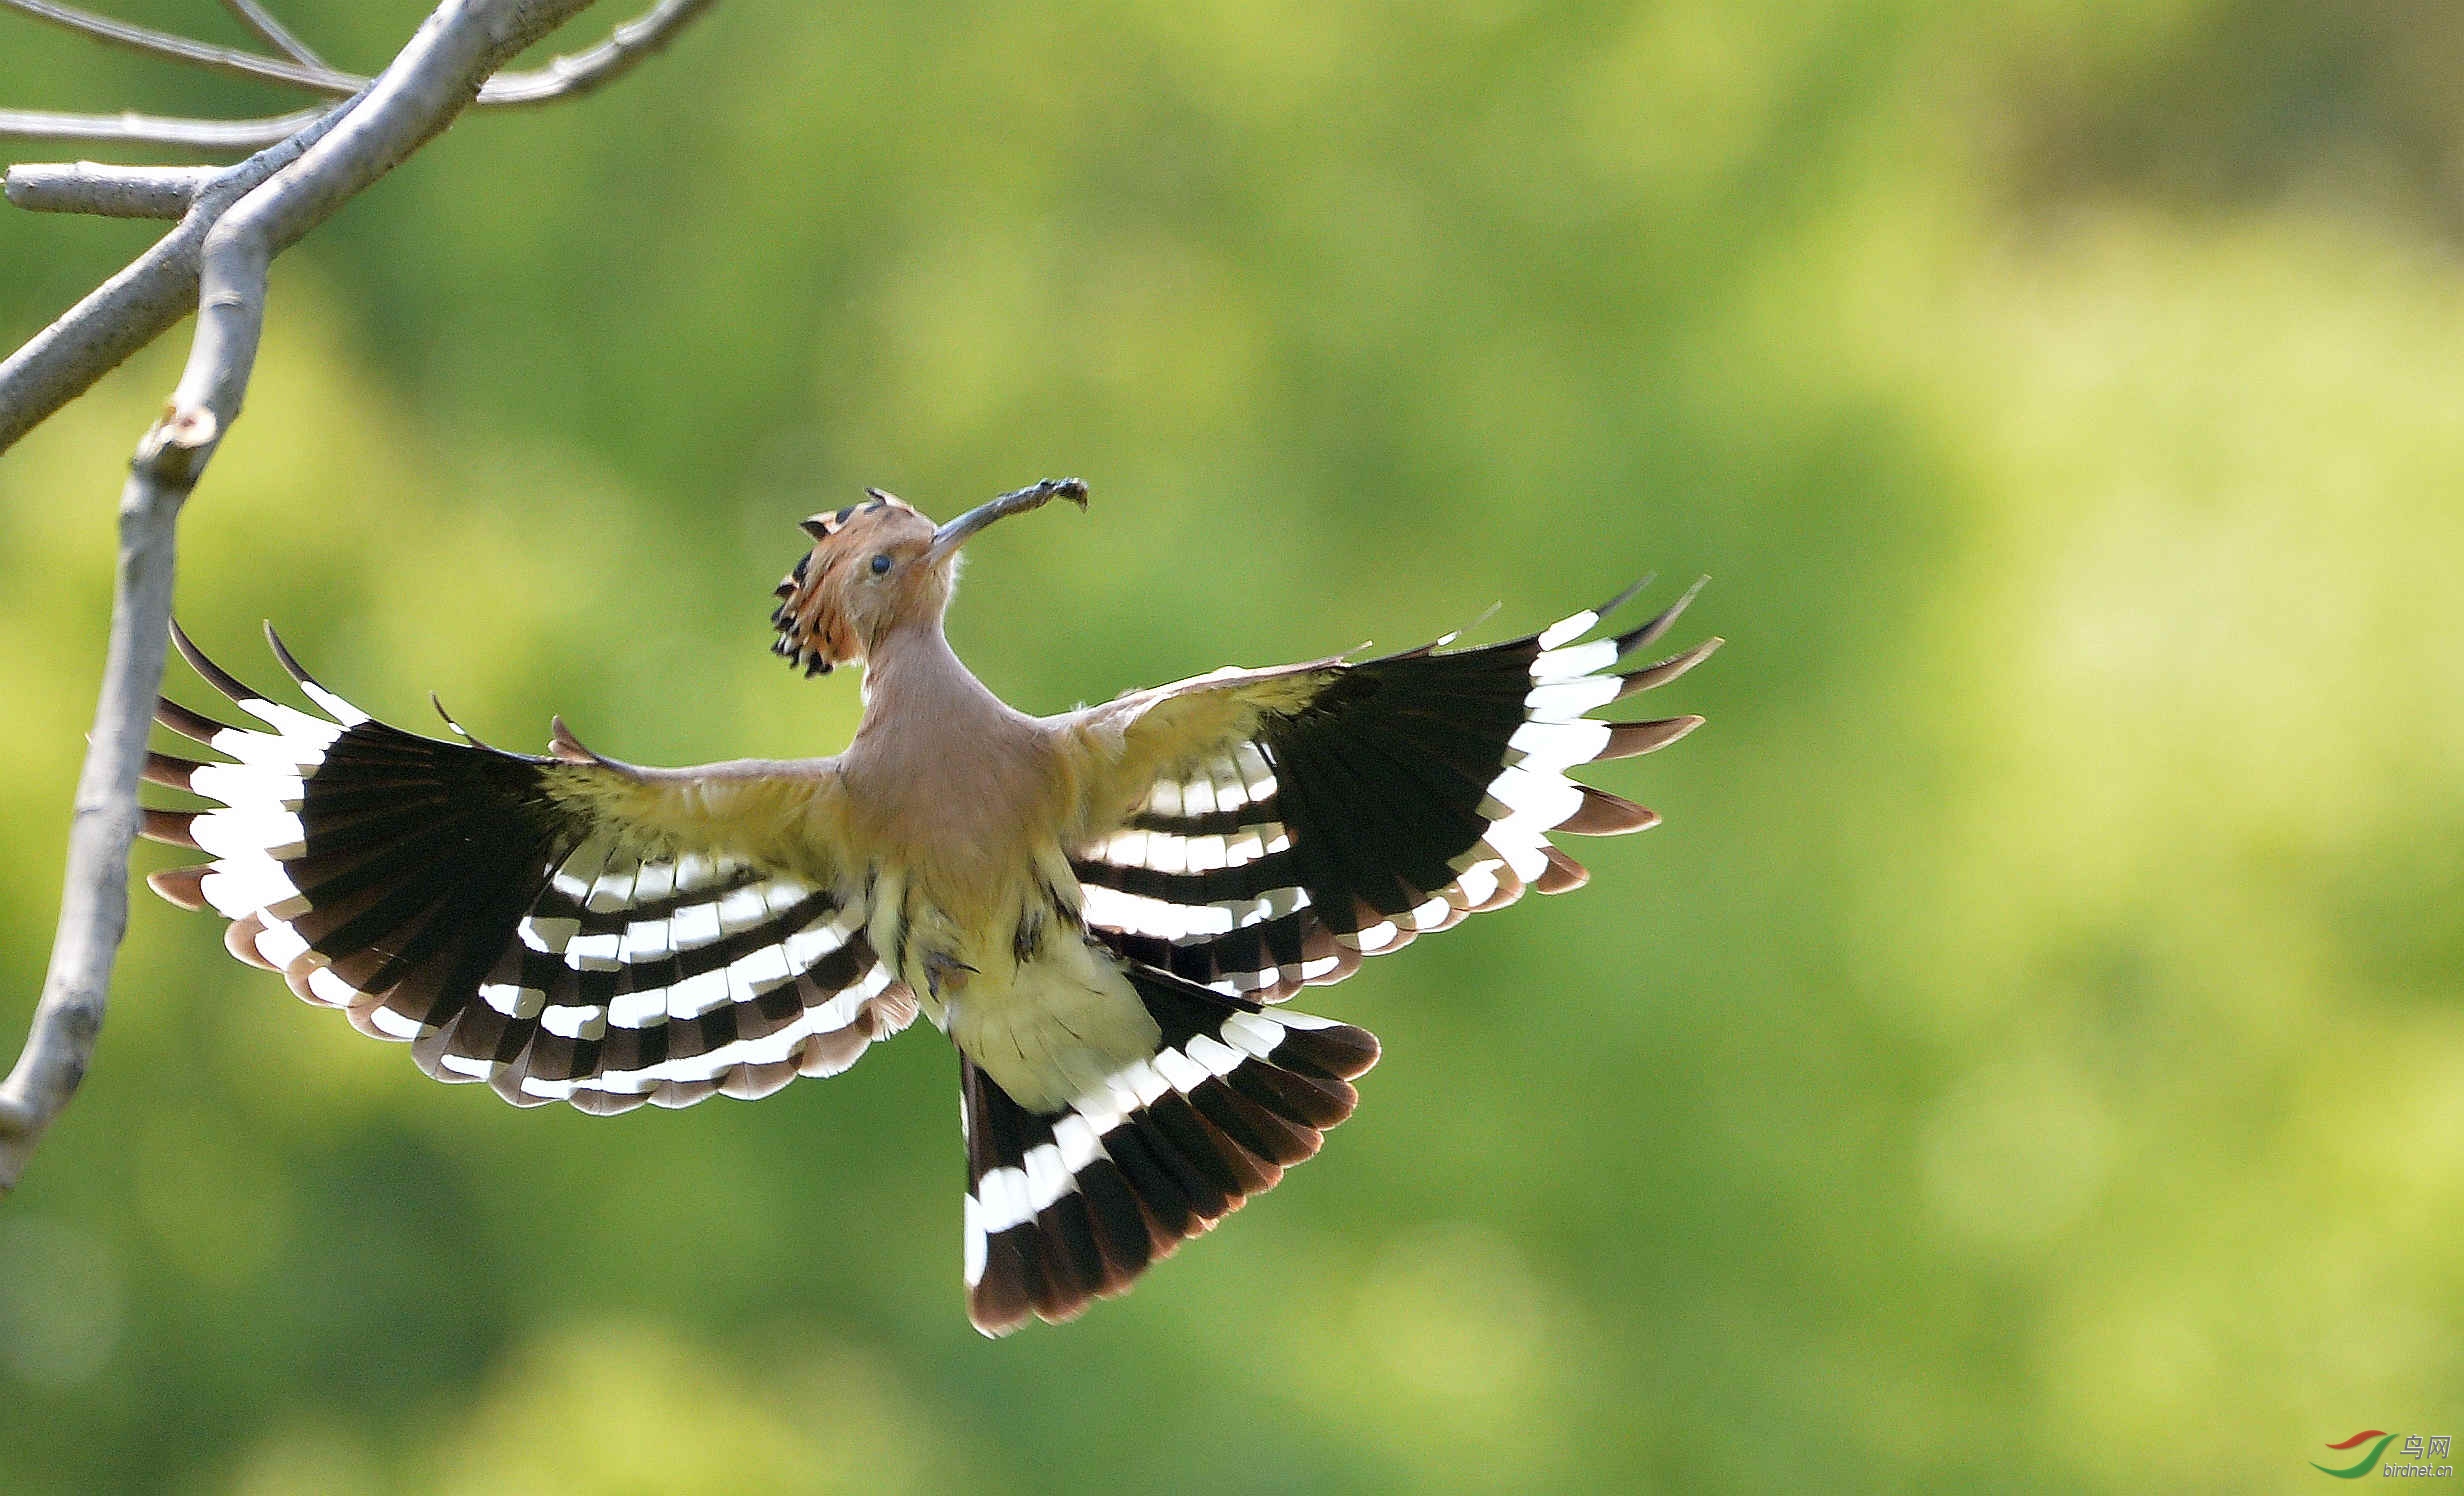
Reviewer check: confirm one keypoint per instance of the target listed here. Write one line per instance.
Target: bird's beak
(951, 536)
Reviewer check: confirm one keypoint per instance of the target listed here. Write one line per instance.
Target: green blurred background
(2029, 1057)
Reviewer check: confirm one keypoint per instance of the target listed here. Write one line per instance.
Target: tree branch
(110, 191)
(154, 129)
(179, 48)
(94, 897)
(136, 306)
(272, 32)
(569, 77)
(562, 78)
(433, 79)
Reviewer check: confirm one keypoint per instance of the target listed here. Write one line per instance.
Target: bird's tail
(1071, 1206)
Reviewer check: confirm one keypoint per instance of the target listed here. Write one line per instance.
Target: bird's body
(1099, 908)
(967, 803)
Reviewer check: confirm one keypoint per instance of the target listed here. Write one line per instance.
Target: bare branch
(433, 79)
(184, 49)
(272, 32)
(154, 129)
(563, 78)
(569, 77)
(110, 191)
(143, 301)
(134, 307)
(427, 85)
(94, 897)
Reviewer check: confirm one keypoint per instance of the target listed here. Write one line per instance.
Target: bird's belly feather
(1056, 1029)
(1015, 984)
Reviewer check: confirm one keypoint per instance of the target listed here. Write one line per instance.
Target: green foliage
(2029, 1056)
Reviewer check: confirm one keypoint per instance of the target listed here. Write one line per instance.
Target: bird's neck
(952, 790)
(912, 678)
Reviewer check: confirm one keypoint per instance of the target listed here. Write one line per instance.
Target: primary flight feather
(1102, 909)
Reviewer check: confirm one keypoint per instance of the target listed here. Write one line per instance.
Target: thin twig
(562, 78)
(427, 85)
(110, 191)
(154, 129)
(273, 33)
(185, 49)
(568, 77)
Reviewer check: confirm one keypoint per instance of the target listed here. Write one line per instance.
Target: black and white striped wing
(1068, 1207)
(1280, 824)
(504, 916)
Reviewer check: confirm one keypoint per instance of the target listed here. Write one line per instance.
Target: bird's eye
(881, 563)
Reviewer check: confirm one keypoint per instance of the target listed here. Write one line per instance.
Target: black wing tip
(996, 1321)
(1661, 672)
(1631, 591)
(564, 747)
(192, 725)
(230, 685)
(169, 772)
(180, 885)
(214, 675)
(1563, 874)
(1344, 1051)
(1634, 739)
(458, 730)
(169, 827)
(289, 662)
(1659, 623)
(1479, 621)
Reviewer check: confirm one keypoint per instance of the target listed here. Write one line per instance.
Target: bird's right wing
(1245, 833)
(564, 928)
(1253, 830)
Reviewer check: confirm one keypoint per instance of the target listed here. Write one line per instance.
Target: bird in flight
(1104, 910)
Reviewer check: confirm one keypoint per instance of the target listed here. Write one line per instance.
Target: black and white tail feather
(1066, 1208)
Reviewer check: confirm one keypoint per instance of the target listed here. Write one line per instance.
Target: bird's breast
(972, 902)
(1013, 981)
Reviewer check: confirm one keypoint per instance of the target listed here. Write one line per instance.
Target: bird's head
(880, 565)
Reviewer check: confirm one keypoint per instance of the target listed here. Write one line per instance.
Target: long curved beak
(951, 536)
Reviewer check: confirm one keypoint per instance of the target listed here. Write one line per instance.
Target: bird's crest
(816, 625)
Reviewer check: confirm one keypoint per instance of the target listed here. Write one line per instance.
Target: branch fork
(232, 222)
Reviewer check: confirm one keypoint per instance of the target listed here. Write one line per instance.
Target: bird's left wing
(564, 928)
(1253, 830)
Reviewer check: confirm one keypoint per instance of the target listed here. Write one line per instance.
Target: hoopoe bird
(1103, 910)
